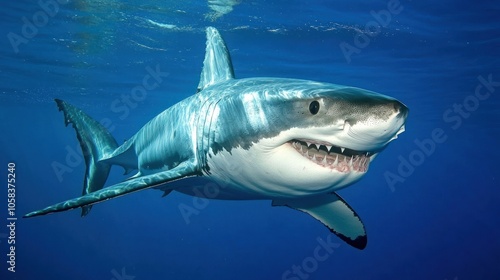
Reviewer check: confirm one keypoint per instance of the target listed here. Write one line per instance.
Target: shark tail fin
(96, 143)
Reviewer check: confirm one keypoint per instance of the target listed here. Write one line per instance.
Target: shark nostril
(397, 106)
(400, 108)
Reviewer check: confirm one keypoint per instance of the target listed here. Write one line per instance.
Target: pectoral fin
(140, 183)
(333, 212)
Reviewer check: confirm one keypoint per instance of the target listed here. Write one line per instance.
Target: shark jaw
(333, 157)
(287, 168)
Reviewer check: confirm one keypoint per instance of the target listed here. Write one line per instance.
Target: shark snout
(377, 110)
(375, 124)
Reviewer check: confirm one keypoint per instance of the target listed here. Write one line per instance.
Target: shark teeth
(336, 158)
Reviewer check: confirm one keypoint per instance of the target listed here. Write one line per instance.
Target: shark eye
(314, 107)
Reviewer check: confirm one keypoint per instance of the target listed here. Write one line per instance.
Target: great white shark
(294, 142)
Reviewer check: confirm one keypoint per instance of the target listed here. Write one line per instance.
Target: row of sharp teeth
(332, 159)
(326, 147)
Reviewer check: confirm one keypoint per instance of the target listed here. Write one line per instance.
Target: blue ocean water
(429, 201)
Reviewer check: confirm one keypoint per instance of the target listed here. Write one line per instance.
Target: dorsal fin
(217, 66)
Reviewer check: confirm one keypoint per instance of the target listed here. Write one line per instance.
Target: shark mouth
(330, 156)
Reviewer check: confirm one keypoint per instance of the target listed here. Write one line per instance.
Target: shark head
(288, 137)
(296, 137)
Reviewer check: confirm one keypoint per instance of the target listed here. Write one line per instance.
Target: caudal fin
(96, 143)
